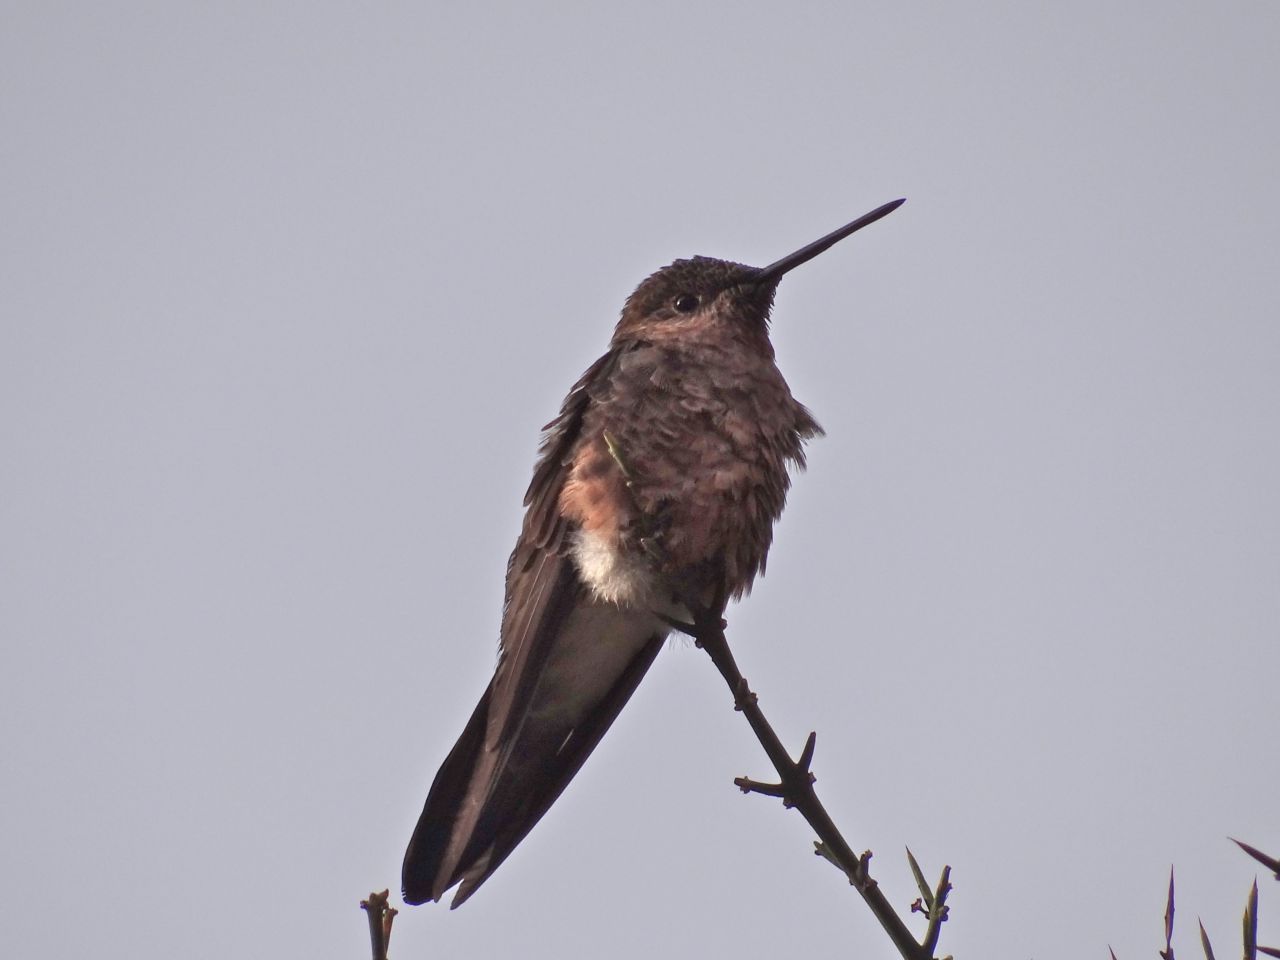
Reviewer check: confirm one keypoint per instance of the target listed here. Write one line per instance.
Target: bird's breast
(689, 455)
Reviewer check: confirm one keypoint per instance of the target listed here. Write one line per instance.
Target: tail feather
(482, 805)
(430, 841)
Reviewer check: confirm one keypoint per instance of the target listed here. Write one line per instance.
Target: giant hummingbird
(652, 501)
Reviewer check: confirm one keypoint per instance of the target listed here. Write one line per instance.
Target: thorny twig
(795, 788)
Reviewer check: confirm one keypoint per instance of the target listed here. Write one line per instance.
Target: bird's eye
(686, 303)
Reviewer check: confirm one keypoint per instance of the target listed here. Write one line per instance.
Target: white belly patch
(614, 576)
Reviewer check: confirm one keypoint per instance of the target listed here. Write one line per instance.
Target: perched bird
(653, 498)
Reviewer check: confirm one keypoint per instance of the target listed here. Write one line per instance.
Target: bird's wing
(484, 801)
(542, 583)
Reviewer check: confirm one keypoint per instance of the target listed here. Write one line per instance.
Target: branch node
(743, 696)
(864, 875)
(822, 850)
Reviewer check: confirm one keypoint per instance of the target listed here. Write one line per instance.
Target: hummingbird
(652, 502)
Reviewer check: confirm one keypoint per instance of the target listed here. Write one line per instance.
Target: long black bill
(774, 271)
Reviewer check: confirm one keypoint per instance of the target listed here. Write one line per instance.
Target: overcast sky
(287, 290)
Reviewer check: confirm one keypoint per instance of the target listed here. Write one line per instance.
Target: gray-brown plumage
(655, 493)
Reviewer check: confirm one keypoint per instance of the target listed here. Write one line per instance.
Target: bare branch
(795, 787)
(381, 916)
(747, 785)
(938, 911)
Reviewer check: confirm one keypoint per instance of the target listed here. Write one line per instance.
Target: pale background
(287, 291)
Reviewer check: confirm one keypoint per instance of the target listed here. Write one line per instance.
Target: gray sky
(287, 290)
